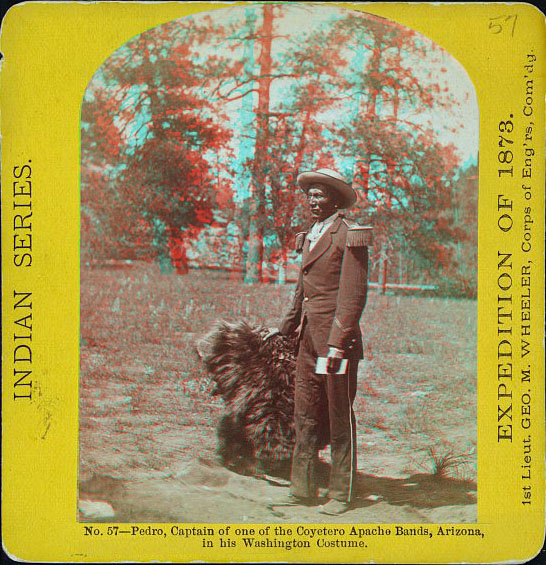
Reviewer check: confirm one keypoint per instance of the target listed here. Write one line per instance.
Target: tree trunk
(281, 279)
(371, 110)
(375, 68)
(356, 68)
(396, 96)
(383, 269)
(384, 276)
(301, 145)
(259, 172)
(177, 252)
(246, 152)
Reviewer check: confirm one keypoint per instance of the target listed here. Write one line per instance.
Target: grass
(144, 397)
(444, 464)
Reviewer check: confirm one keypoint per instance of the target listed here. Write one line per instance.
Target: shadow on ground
(205, 492)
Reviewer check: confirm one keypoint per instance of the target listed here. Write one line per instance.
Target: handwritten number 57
(496, 25)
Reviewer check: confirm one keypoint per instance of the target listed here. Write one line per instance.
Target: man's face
(321, 202)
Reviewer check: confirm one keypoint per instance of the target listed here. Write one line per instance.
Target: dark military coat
(332, 288)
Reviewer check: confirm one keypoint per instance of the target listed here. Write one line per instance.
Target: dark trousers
(323, 403)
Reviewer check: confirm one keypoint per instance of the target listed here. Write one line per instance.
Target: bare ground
(147, 420)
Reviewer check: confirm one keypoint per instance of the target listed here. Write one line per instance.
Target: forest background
(194, 132)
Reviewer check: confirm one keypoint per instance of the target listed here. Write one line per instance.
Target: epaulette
(348, 223)
(300, 241)
(359, 236)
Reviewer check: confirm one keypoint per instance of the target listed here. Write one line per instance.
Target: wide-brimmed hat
(346, 196)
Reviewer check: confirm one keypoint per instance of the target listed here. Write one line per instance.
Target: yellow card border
(51, 51)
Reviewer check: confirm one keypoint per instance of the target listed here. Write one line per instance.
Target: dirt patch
(148, 421)
(204, 492)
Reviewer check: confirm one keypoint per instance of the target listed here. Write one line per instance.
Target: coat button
(305, 271)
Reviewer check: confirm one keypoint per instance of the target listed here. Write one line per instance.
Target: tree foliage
(149, 129)
(208, 120)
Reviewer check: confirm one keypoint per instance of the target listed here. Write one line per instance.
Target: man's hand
(271, 332)
(333, 363)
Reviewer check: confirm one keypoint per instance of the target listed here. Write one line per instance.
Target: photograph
(279, 274)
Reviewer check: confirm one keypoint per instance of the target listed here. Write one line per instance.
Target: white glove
(335, 355)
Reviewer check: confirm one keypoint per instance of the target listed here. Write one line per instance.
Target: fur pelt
(255, 379)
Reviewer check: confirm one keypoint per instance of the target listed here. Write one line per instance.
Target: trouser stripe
(351, 431)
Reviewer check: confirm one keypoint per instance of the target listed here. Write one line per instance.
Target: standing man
(328, 302)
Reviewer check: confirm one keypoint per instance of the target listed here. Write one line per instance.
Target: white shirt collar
(319, 226)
